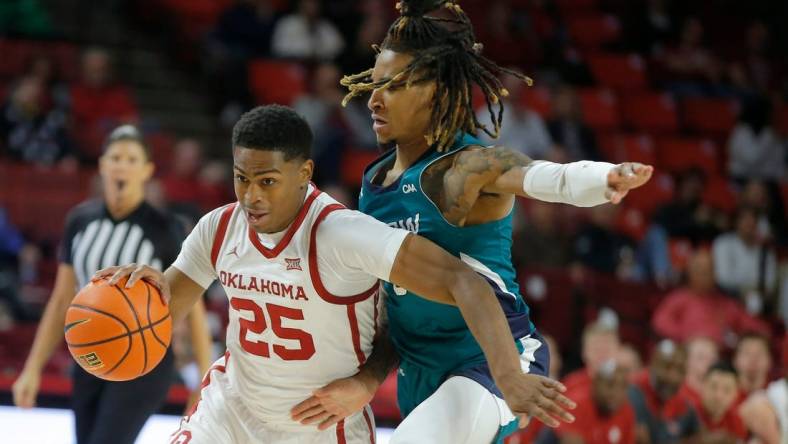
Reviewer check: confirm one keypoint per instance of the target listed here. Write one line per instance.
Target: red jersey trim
(272, 253)
(315, 274)
(341, 432)
(221, 231)
(207, 380)
(369, 426)
(354, 333)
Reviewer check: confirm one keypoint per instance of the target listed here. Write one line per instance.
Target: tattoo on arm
(471, 171)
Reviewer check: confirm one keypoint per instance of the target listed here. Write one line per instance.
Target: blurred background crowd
(698, 89)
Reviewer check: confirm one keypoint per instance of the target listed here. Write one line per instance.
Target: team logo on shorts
(90, 361)
(293, 264)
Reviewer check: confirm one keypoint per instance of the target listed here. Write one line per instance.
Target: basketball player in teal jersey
(439, 181)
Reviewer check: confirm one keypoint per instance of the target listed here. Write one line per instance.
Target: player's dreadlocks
(445, 50)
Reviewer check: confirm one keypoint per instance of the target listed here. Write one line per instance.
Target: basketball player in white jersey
(301, 273)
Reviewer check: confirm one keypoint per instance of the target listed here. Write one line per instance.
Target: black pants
(115, 412)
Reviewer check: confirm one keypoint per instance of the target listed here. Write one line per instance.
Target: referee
(118, 229)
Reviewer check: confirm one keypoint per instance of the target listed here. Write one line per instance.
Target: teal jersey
(428, 334)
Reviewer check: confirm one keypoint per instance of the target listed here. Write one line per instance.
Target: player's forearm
(183, 296)
(582, 184)
(381, 362)
(487, 322)
(200, 336)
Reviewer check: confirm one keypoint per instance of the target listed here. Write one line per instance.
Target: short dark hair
(755, 336)
(274, 128)
(127, 133)
(722, 367)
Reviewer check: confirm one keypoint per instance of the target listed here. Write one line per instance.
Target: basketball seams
(139, 326)
(130, 332)
(153, 330)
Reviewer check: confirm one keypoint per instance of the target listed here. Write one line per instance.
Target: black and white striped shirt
(94, 240)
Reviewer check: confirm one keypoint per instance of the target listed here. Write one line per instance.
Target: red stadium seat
(680, 250)
(716, 116)
(679, 154)
(570, 8)
(781, 120)
(593, 31)
(632, 222)
(600, 108)
(619, 71)
(273, 81)
(538, 99)
(620, 147)
(651, 112)
(16, 54)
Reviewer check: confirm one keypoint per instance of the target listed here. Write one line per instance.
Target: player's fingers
(310, 413)
(120, 273)
(333, 419)
(316, 419)
(524, 421)
(103, 273)
(138, 273)
(556, 410)
(553, 384)
(546, 419)
(304, 405)
(565, 402)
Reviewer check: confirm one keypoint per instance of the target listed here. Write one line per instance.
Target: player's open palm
(333, 403)
(538, 397)
(624, 177)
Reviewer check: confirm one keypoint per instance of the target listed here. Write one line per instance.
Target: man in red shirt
(600, 344)
(663, 416)
(603, 414)
(699, 309)
(718, 408)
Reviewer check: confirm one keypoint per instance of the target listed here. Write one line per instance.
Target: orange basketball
(118, 333)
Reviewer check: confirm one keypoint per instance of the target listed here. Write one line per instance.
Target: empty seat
(680, 154)
(650, 112)
(620, 147)
(274, 81)
(656, 192)
(600, 108)
(704, 115)
(594, 30)
(538, 99)
(353, 164)
(619, 71)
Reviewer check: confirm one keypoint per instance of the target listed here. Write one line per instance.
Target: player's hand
(334, 402)
(624, 177)
(135, 272)
(25, 389)
(539, 397)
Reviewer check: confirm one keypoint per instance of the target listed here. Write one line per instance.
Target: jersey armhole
(221, 232)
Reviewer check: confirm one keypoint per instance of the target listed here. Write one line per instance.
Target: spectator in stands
(744, 264)
(690, 67)
(18, 264)
(30, 131)
(752, 361)
(603, 412)
(698, 309)
(702, 353)
(652, 27)
(573, 138)
(663, 416)
(542, 241)
(688, 216)
(521, 127)
(244, 29)
(765, 413)
(45, 70)
(752, 70)
(755, 151)
(307, 35)
(242, 32)
(718, 410)
(628, 358)
(600, 247)
(507, 37)
(194, 186)
(765, 198)
(98, 103)
(322, 108)
(600, 344)
(361, 55)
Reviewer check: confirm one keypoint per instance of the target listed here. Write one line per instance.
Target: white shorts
(220, 418)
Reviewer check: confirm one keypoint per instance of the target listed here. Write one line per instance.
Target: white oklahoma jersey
(303, 312)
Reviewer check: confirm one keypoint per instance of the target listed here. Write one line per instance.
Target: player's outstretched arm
(176, 287)
(427, 270)
(500, 170)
